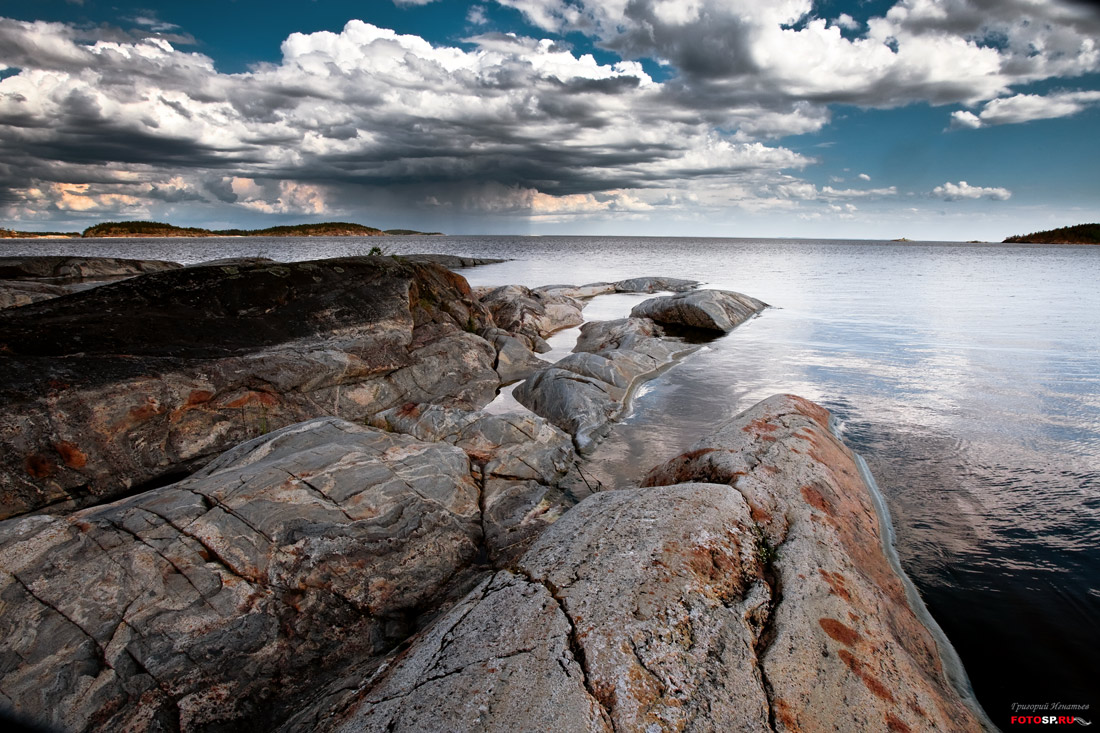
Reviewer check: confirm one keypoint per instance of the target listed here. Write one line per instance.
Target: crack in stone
(576, 649)
(218, 503)
(328, 500)
(448, 638)
(767, 632)
(164, 557)
(214, 554)
(101, 655)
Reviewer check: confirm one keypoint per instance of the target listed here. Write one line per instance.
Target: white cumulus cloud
(1026, 108)
(963, 190)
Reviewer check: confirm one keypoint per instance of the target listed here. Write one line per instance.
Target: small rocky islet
(252, 495)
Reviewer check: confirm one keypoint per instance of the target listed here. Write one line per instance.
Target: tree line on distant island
(1080, 234)
(158, 229)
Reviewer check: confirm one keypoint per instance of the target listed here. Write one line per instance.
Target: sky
(927, 119)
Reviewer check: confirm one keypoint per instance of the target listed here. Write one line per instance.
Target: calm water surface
(968, 376)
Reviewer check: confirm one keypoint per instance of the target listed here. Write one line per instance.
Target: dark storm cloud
(369, 107)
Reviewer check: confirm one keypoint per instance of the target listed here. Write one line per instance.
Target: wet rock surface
(587, 390)
(221, 602)
(760, 600)
(138, 381)
(26, 280)
(710, 310)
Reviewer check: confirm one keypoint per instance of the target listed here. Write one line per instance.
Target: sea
(966, 375)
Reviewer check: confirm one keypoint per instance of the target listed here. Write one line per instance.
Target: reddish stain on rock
(894, 724)
(198, 397)
(817, 500)
(837, 584)
(760, 425)
(691, 455)
(838, 631)
(759, 515)
(785, 715)
(811, 410)
(409, 409)
(72, 456)
(146, 411)
(39, 466)
(869, 680)
(254, 398)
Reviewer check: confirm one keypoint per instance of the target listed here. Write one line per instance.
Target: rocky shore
(265, 496)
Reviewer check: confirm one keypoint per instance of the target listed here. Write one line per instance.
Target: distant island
(159, 229)
(1080, 234)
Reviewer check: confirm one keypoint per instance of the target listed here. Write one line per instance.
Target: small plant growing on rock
(765, 553)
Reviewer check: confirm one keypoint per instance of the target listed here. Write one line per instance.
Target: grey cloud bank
(126, 124)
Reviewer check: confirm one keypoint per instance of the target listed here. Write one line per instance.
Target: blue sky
(929, 119)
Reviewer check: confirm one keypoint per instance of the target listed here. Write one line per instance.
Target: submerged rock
(712, 310)
(223, 602)
(763, 602)
(26, 280)
(140, 381)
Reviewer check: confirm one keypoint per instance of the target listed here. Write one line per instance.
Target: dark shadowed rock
(142, 380)
(222, 602)
(25, 280)
(584, 392)
(762, 601)
(711, 310)
(450, 261)
(61, 270)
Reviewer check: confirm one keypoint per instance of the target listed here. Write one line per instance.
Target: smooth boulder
(515, 360)
(710, 310)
